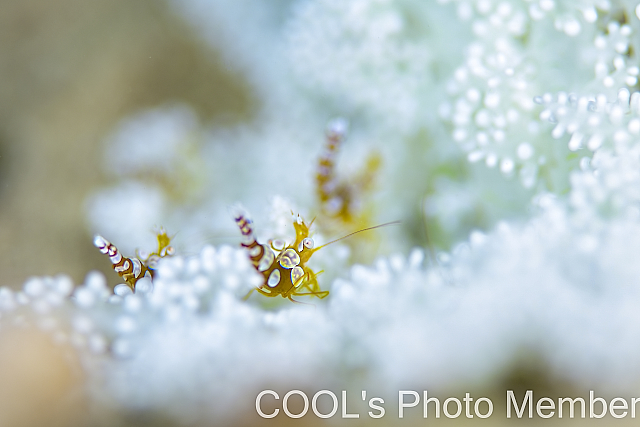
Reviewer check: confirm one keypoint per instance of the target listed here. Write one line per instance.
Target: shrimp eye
(308, 243)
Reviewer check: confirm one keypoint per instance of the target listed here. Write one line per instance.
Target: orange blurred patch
(40, 382)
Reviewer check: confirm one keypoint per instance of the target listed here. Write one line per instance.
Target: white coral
(552, 274)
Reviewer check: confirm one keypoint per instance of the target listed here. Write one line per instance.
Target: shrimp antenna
(359, 231)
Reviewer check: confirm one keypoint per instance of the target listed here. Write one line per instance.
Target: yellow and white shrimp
(134, 269)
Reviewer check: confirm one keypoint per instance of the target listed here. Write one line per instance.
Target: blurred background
(70, 71)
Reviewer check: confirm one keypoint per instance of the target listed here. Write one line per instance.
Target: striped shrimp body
(134, 269)
(285, 274)
(130, 269)
(343, 199)
(325, 178)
